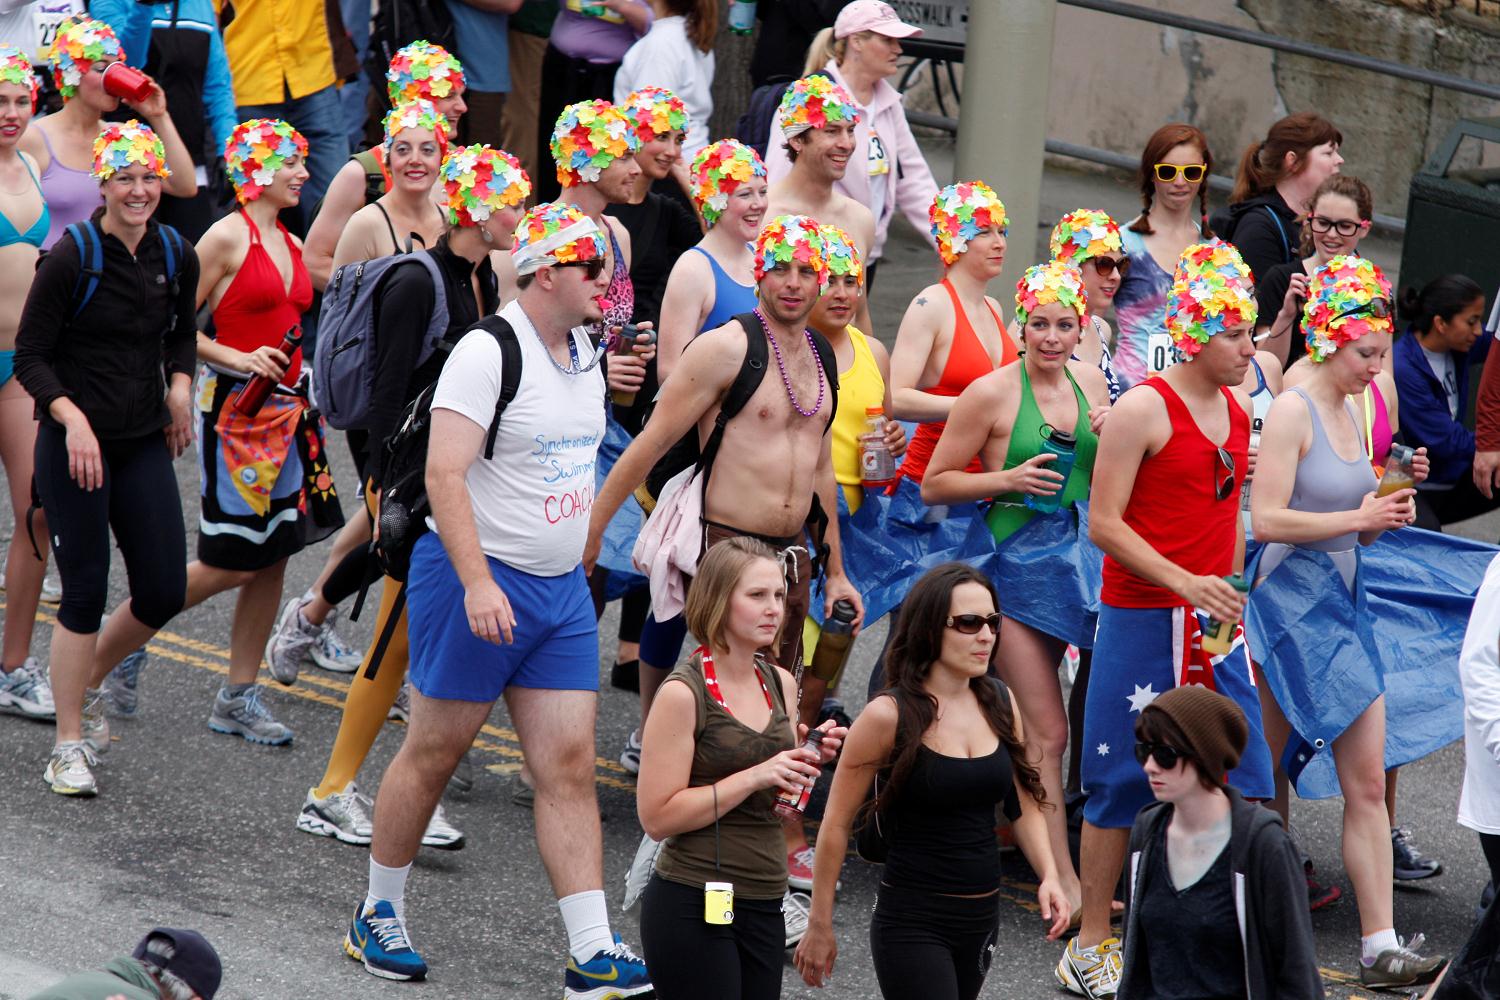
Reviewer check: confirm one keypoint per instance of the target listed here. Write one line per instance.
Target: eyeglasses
(1225, 487)
(971, 624)
(1344, 227)
(1108, 265)
(1377, 308)
(1190, 172)
(591, 268)
(1166, 757)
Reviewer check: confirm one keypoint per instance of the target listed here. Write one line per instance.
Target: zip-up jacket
(1425, 419)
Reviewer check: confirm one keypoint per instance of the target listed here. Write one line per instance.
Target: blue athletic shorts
(556, 637)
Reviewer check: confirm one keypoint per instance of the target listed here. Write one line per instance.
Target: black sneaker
(1318, 894)
(1409, 864)
(626, 676)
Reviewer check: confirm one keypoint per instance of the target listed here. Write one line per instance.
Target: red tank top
(1174, 505)
(967, 361)
(257, 310)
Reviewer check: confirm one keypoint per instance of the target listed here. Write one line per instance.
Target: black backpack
(754, 126)
(398, 24)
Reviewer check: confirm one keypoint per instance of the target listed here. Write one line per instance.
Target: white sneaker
(630, 757)
(441, 834)
(1091, 972)
(52, 588)
(794, 907)
(344, 816)
(95, 726)
(70, 769)
(290, 643)
(25, 691)
(331, 652)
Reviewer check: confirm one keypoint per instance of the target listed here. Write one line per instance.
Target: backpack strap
(1286, 246)
(752, 371)
(510, 372)
(171, 245)
(91, 263)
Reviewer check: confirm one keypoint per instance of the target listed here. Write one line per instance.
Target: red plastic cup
(127, 83)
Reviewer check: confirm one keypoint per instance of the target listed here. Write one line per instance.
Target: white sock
(586, 917)
(388, 884)
(1372, 945)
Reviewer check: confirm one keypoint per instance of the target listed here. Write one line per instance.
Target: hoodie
(123, 978)
(1264, 228)
(1270, 898)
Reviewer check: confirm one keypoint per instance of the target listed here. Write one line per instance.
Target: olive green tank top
(1010, 513)
(752, 854)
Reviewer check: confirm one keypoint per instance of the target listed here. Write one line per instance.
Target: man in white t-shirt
(499, 604)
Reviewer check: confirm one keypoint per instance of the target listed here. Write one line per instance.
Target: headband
(118, 146)
(555, 233)
(1345, 285)
(1057, 281)
(422, 70)
(789, 238)
(813, 102)
(255, 151)
(16, 68)
(717, 170)
(1083, 234)
(479, 181)
(80, 42)
(961, 212)
(588, 137)
(1211, 291)
(419, 113)
(841, 253)
(655, 111)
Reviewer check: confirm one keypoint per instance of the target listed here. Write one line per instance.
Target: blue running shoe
(610, 975)
(377, 937)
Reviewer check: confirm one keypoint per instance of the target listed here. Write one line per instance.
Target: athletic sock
(1372, 945)
(586, 917)
(388, 884)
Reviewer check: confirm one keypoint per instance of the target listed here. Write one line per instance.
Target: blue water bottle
(1064, 446)
(742, 16)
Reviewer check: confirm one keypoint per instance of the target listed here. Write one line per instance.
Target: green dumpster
(1453, 215)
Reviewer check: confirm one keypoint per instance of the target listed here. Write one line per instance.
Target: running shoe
(70, 769)
(630, 757)
(246, 715)
(377, 938)
(1401, 966)
(442, 834)
(1318, 894)
(799, 870)
(290, 644)
(1091, 972)
(626, 675)
(25, 691)
(1410, 865)
(794, 907)
(401, 707)
(523, 794)
(94, 726)
(331, 652)
(462, 778)
(344, 816)
(52, 588)
(610, 975)
(120, 687)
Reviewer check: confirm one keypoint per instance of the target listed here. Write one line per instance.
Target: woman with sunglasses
(944, 746)
(1048, 575)
(1214, 892)
(1338, 218)
(1090, 241)
(1174, 215)
(1321, 669)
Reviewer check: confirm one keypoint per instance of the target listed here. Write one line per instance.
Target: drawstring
(788, 559)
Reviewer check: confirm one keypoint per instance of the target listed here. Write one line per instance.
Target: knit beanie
(1214, 726)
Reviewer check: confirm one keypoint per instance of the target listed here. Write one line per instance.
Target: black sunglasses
(1344, 227)
(1166, 757)
(591, 268)
(1225, 487)
(1378, 308)
(1108, 265)
(971, 624)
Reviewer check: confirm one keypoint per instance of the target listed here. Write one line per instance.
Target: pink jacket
(909, 186)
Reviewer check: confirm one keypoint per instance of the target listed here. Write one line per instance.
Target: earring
(484, 234)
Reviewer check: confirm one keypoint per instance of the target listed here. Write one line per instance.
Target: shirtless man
(819, 156)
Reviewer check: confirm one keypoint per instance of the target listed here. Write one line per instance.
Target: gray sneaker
(244, 714)
(120, 685)
(1401, 966)
(70, 769)
(442, 834)
(290, 644)
(331, 652)
(25, 691)
(95, 727)
(401, 707)
(52, 588)
(343, 816)
(462, 778)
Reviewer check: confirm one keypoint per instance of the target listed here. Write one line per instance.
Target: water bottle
(1064, 446)
(834, 642)
(877, 466)
(1245, 489)
(742, 16)
(256, 391)
(791, 805)
(1218, 637)
(1397, 474)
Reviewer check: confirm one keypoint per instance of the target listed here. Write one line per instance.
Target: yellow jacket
(276, 47)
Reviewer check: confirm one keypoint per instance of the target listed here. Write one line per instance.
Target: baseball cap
(872, 15)
(186, 955)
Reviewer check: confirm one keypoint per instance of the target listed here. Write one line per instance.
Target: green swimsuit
(1010, 512)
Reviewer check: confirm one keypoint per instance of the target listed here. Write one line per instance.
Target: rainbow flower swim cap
(789, 238)
(841, 253)
(1085, 233)
(961, 212)
(555, 233)
(1212, 291)
(813, 102)
(479, 181)
(655, 112)
(1339, 305)
(1056, 281)
(416, 114)
(255, 151)
(16, 68)
(588, 137)
(422, 70)
(120, 145)
(719, 169)
(80, 42)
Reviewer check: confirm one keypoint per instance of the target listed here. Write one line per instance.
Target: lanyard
(711, 681)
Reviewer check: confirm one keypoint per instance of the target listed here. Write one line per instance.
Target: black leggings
(139, 500)
(1436, 508)
(932, 947)
(1490, 844)
(689, 959)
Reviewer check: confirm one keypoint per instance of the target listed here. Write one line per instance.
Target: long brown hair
(916, 645)
(702, 20)
(1263, 164)
(1349, 187)
(1162, 142)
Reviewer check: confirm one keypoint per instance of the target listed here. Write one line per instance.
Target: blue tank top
(730, 297)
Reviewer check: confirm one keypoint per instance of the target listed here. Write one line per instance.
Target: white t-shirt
(664, 57)
(532, 499)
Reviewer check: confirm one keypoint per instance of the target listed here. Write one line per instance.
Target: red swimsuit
(257, 309)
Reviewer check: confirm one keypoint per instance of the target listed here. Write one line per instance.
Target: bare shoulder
(349, 179)
(228, 235)
(1140, 403)
(930, 306)
(1243, 399)
(880, 713)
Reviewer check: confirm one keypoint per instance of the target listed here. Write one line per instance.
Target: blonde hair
(719, 571)
(823, 48)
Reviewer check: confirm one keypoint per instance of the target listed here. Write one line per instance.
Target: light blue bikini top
(38, 231)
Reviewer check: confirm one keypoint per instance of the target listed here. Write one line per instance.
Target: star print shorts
(1140, 653)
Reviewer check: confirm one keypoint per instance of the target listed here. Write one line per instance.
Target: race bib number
(879, 163)
(46, 16)
(1161, 353)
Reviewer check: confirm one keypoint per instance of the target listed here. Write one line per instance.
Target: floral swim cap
(813, 102)
(1211, 291)
(1083, 234)
(16, 68)
(1056, 281)
(961, 212)
(416, 114)
(478, 181)
(120, 145)
(789, 238)
(717, 170)
(655, 112)
(1342, 305)
(422, 70)
(555, 233)
(588, 137)
(80, 42)
(255, 151)
(841, 253)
